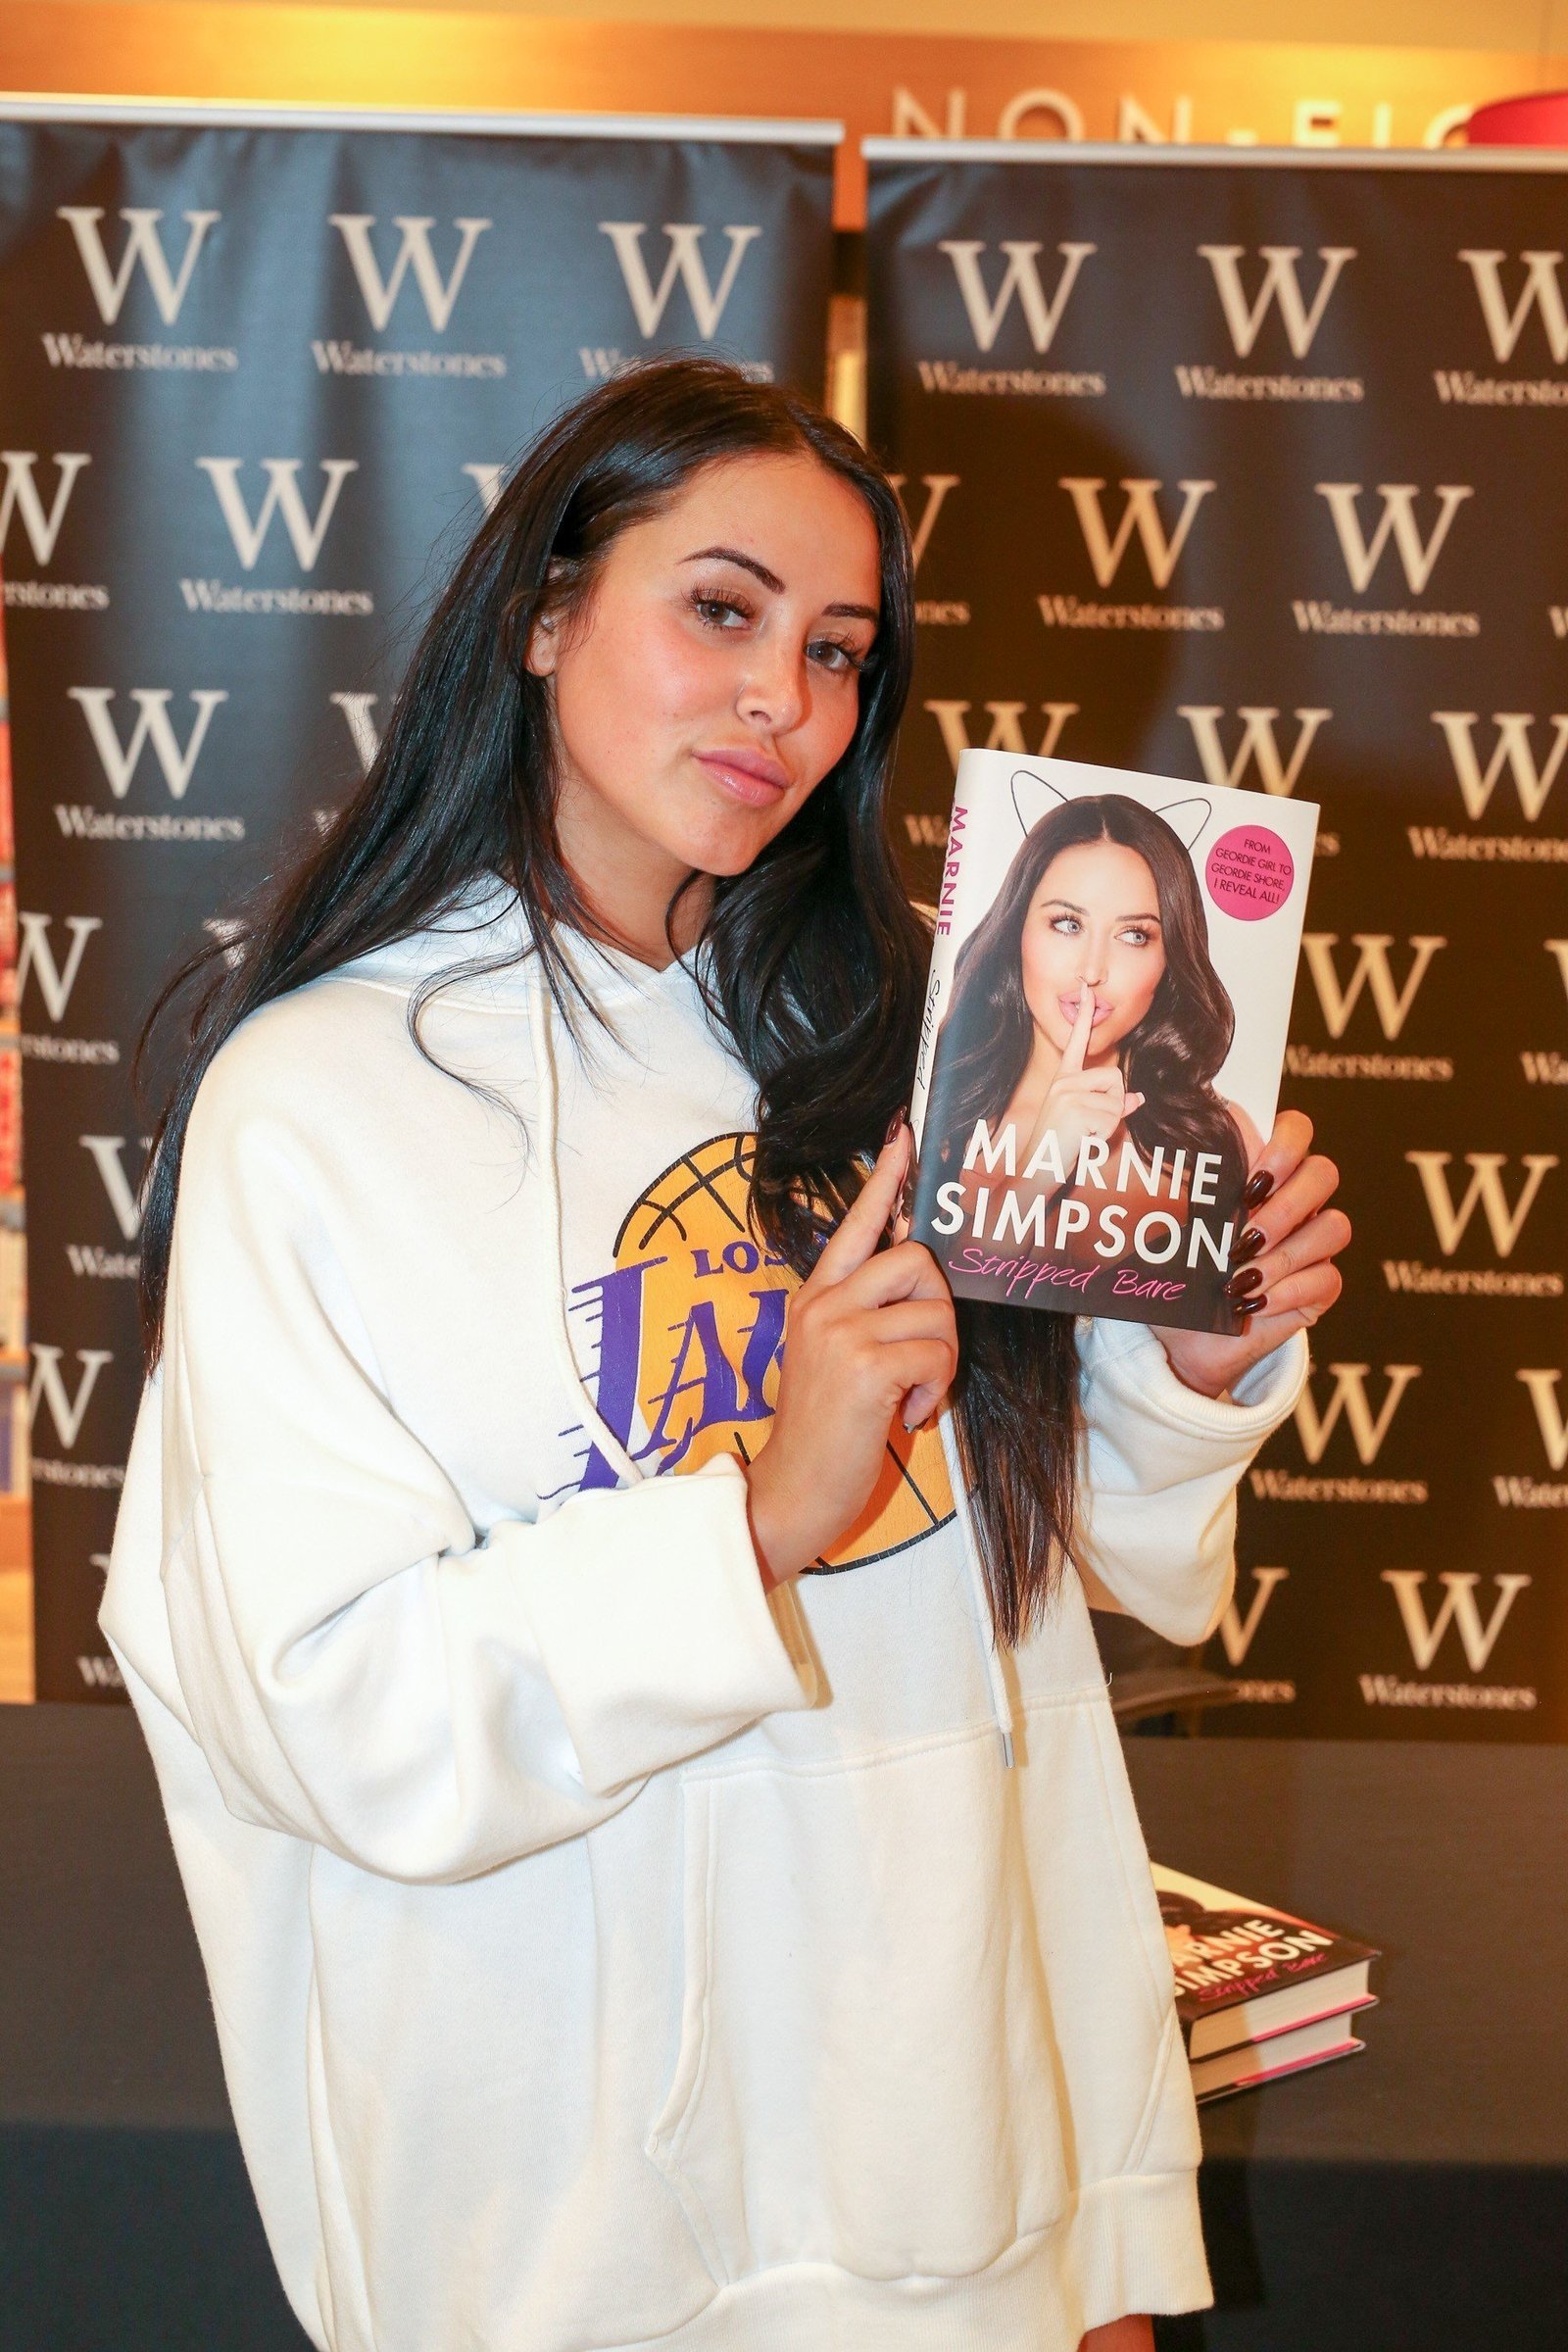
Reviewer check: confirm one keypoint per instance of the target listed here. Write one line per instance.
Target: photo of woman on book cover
(1086, 1026)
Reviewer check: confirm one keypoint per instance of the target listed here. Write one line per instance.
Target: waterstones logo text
(1277, 292)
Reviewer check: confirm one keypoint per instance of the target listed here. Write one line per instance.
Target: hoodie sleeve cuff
(1134, 1375)
(653, 1625)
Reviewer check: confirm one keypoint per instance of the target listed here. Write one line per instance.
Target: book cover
(1246, 1972)
(1103, 1033)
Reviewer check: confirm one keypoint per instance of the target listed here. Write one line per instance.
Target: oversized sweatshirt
(606, 1954)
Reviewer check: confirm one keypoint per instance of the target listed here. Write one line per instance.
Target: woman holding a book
(612, 1640)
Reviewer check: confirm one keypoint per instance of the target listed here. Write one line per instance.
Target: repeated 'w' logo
(1486, 1187)
(48, 1387)
(1258, 744)
(1021, 277)
(1458, 1610)
(1280, 285)
(1542, 1388)
(20, 496)
(153, 725)
(936, 487)
(1348, 1397)
(1513, 750)
(1141, 513)
(439, 294)
(1236, 1631)
(1542, 290)
(1007, 728)
(1371, 971)
(683, 265)
(105, 1152)
(357, 710)
(1398, 522)
(306, 532)
(37, 960)
(142, 244)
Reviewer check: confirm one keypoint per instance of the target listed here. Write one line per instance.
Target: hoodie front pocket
(868, 2074)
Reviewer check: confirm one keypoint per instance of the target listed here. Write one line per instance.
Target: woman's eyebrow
(1073, 908)
(732, 554)
(771, 581)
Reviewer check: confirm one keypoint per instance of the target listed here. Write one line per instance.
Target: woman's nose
(774, 693)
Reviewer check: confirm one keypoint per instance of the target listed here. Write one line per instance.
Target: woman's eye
(1137, 939)
(1067, 925)
(720, 612)
(832, 654)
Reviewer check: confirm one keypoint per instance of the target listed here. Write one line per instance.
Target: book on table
(1259, 1992)
(1105, 1028)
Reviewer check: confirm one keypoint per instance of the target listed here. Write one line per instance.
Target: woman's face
(1092, 923)
(713, 679)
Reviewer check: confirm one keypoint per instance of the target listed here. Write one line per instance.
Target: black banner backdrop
(1253, 468)
(258, 370)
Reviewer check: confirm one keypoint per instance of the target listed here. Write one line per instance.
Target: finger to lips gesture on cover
(1081, 1102)
(869, 1334)
(1282, 1272)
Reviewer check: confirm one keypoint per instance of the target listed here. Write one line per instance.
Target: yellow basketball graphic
(712, 1316)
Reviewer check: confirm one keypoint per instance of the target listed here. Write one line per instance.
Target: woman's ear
(543, 648)
(542, 653)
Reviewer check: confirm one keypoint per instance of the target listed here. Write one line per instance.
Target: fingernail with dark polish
(1253, 1305)
(1247, 1279)
(1250, 1242)
(894, 1124)
(1257, 1188)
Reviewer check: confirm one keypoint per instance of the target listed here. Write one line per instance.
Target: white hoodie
(606, 1955)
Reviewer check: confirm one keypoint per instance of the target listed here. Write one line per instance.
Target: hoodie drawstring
(610, 1447)
(593, 1422)
(985, 1633)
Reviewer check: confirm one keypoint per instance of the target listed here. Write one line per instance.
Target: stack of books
(1259, 1992)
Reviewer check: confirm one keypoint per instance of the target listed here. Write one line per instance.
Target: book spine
(943, 956)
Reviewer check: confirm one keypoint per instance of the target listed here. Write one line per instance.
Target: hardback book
(1105, 1029)
(1250, 1976)
(1291, 2053)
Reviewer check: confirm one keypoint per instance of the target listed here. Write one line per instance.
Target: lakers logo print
(689, 1331)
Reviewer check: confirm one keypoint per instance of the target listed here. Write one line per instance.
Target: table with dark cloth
(1413, 2199)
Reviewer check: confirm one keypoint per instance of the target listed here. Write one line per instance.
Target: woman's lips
(1070, 1005)
(750, 777)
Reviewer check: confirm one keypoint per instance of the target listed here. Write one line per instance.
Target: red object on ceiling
(1540, 120)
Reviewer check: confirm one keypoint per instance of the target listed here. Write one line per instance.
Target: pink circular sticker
(1250, 874)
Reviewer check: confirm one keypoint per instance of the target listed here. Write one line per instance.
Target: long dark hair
(813, 954)
(1173, 1057)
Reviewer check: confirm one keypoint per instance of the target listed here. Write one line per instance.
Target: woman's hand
(1080, 1103)
(1284, 1274)
(870, 1333)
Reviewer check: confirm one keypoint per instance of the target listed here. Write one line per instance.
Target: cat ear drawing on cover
(1186, 818)
(1033, 798)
